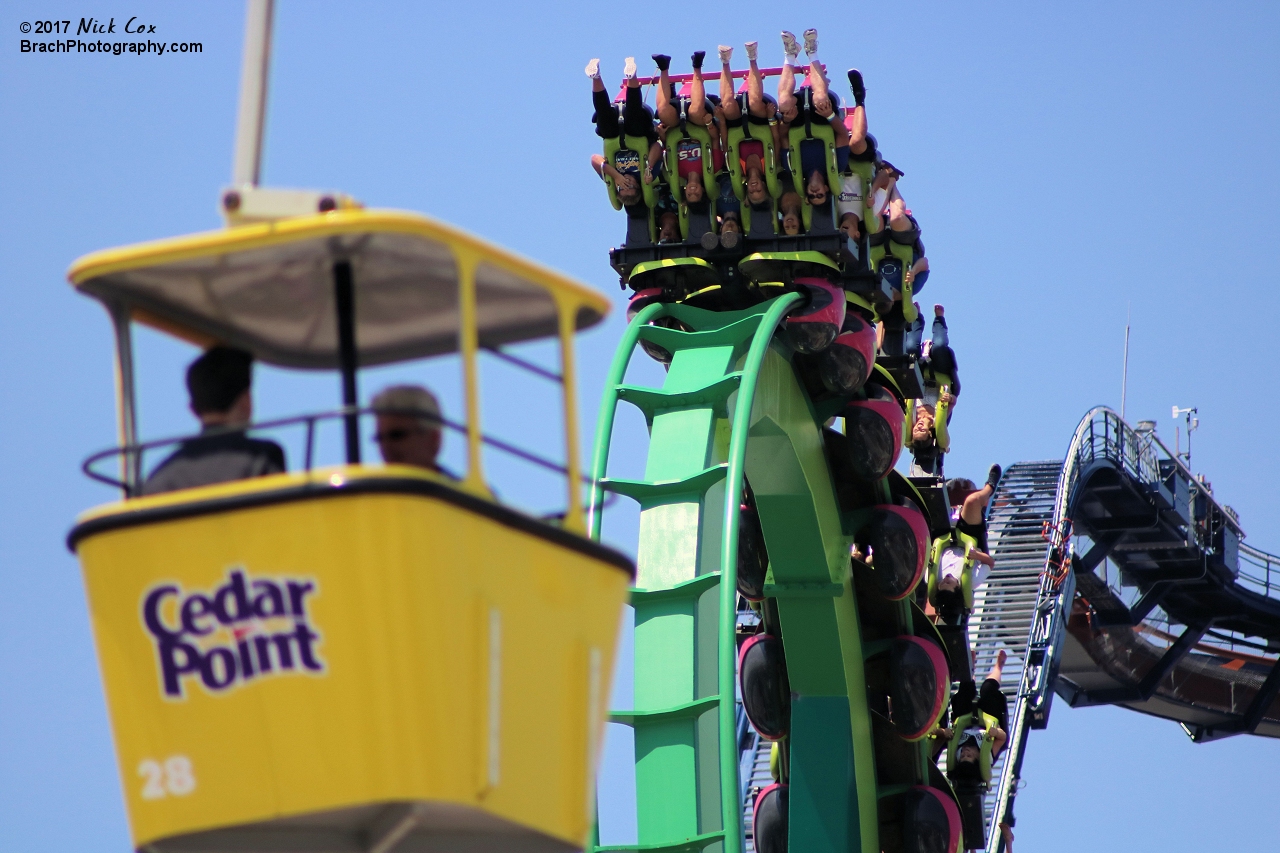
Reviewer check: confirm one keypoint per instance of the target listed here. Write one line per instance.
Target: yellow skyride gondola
(355, 657)
(315, 658)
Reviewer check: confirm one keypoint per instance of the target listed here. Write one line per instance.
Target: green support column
(731, 406)
(677, 784)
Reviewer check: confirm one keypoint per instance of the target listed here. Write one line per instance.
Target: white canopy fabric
(269, 288)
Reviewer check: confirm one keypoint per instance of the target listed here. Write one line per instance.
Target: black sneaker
(662, 61)
(698, 56)
(993, 475)
(855, 83)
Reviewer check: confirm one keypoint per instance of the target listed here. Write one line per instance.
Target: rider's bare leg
(787, 92)
(997, 669)
(667, 112)
(756, 103)
(818, 89)
(974, 504)
(857, 127)
(898, 219)
(728, 103)
(698, 94)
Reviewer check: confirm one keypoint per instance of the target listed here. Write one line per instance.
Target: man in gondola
(408, 431)
(219, 383)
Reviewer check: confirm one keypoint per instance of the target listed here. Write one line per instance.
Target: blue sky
(1067, 162)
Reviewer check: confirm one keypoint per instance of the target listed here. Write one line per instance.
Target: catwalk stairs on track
(1006, 607)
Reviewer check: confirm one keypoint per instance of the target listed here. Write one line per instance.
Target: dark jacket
(215, 457)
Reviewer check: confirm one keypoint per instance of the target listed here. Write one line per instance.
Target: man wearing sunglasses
(408, 426)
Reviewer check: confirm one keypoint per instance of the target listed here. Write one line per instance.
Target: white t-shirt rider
(951, 565)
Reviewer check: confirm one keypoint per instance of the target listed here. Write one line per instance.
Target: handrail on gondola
(134, 451)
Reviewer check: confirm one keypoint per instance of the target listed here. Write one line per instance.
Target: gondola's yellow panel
(308, 648)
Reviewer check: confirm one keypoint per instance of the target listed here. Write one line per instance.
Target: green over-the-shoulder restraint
(710, 187)
(740, 134)
(824, 133)
(865, 170)
(988, 724)
(640, 145)
(966, 570)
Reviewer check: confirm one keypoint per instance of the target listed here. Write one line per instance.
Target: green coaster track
(731, 409)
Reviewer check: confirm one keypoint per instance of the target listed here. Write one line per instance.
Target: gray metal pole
(126, 396)
(247, 162)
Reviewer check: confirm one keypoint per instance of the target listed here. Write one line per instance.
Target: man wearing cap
(408, 431)
(219, 383)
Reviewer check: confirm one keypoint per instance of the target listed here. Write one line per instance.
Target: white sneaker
(726, 53)
(752, 48)
(629, 69)
(789, 45)
(593, 69)
(810, 41)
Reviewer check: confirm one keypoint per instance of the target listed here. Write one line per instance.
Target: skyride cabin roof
(268, 288)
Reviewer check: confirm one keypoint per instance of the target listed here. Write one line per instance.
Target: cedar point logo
(243, 630)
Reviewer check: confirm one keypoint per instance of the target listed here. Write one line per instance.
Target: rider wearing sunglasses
(408, 431)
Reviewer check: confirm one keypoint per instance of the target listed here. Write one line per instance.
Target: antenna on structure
(244, 201)
(1192, 425)
(1124, 381)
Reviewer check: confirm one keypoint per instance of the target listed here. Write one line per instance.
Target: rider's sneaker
(810, 41)
(855, 83)
(993, 475)
(662, 61)
(726, 54)
(629, 68)
(593, 69)
(698, 56)
(753, 48)
(789, 45)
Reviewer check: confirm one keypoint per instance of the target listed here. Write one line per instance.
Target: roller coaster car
(905, 370)
(916, 680)
(679, 277)
(763, 684)
(973, 819)
(932, 492)
(912, 816)
(623, 147)
(968, 583)
(897, 536)
(336, 659)
(955, 640)
(744, 134)
(679, 141)
(786, 267)
(635, 264)
(872, 436)
(931, 821)
(814, 133)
